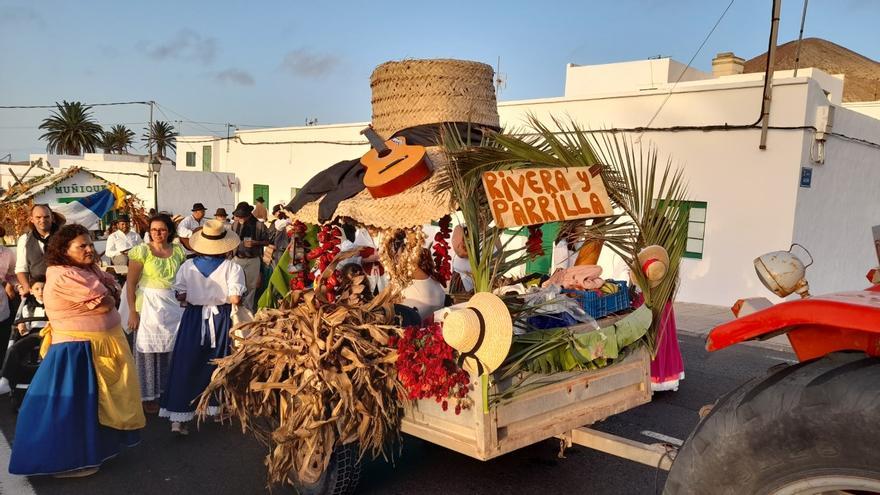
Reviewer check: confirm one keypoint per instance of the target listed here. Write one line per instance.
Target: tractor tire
(812, 427)
(340, 478)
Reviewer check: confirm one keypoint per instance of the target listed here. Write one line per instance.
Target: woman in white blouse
(210, 284)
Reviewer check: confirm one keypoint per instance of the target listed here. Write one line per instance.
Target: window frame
(686, 207)
(188, 155)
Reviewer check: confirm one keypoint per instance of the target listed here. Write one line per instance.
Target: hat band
(472, 353)
(647, 264)
(214, 237)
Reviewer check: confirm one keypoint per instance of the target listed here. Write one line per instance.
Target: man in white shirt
(190, 224)
(29, 251)
(120, 241)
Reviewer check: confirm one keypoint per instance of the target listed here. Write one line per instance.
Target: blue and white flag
(89, 210)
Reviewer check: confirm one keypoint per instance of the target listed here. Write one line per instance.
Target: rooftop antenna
(500, 79)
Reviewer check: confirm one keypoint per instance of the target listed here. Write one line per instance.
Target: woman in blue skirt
(209, 284)
(84, 402)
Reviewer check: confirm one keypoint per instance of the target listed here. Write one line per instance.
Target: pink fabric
(78, 299)
(580, 277)
(667, 368)
(7, 264)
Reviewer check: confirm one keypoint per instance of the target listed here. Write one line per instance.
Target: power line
(184, 117)
(84, 104)
(669, 94)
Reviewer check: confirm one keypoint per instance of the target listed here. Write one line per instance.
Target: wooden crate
(567, 401)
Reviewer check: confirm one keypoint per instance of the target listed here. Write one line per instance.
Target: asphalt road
(219, 459)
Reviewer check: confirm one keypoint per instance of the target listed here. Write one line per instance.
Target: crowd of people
(99, 352)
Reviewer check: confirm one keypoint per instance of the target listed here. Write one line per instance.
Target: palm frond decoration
(646, 195)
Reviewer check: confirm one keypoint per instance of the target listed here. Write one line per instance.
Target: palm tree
(162, 135)
(71, 129)
(119, 139)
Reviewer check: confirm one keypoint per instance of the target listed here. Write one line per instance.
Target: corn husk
(311, 375)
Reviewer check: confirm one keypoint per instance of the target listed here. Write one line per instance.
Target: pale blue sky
(279, 62)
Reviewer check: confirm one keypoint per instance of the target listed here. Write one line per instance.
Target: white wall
(869, 108)
(179, 190)
(834, 216)
(583, 80)
(280, 166)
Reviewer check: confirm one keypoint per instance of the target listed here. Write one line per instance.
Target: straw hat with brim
(214, 238)
(654, 263)
(407, 94)
(482, 332)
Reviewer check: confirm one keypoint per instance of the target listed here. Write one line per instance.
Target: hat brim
(499, 332)
(418, 205)
(203, 245)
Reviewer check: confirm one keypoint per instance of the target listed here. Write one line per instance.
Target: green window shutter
(190, 158)
(206, 158)
(696, 233)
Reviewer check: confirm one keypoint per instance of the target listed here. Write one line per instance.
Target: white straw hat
(482, 332)
(214, 238)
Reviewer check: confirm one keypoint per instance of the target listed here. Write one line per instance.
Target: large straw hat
(214, 238)
(407, 94)
(410, 93)
(654, 263)
(482, 332)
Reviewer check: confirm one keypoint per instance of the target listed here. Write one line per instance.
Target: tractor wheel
(808, 428)
(340, 478)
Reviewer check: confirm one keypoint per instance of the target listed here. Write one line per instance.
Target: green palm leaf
(71, 129)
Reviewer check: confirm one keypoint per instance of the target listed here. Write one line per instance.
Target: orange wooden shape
(396, 169)
(815, 326)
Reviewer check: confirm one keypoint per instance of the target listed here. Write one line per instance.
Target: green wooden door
(261, 190)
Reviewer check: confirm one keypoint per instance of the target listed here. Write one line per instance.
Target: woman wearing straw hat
(210, 284)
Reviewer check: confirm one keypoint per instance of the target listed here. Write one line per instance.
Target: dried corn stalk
(311, 375)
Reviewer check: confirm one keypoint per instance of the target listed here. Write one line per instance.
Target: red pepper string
(535, 242)
(426, 366)
(299, 265)
(442, 258)
(329, 239)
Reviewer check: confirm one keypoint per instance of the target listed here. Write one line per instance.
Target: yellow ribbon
(119, 394)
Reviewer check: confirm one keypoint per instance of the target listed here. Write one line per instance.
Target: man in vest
(29, 262)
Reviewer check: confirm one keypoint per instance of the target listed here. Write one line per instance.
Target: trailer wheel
(807, 428)
(340, 478)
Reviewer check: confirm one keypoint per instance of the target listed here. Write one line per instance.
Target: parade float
(329, 373)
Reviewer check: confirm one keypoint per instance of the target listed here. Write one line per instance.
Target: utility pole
(797, 53)
(768, 76)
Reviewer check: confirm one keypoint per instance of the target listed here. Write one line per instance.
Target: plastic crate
(597, 305)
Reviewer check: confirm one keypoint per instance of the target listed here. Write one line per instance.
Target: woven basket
(417, 92)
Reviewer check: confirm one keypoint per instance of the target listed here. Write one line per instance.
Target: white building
(818, 190)
(176, 192)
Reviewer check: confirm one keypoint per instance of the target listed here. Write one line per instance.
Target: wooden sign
(540, 195)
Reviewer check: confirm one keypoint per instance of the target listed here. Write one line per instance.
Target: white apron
(160, 317)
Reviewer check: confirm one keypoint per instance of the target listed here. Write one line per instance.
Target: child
(24, 354)
(210, 284)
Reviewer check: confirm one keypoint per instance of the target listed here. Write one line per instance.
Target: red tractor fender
(815, 326)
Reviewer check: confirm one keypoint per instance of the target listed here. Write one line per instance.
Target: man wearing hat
(121, 240)
(254, 235)
(190, 224)
(222, 216)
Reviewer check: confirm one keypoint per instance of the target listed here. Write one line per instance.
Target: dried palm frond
(312, 375)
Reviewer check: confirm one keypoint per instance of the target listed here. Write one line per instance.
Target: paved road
(220, 460)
